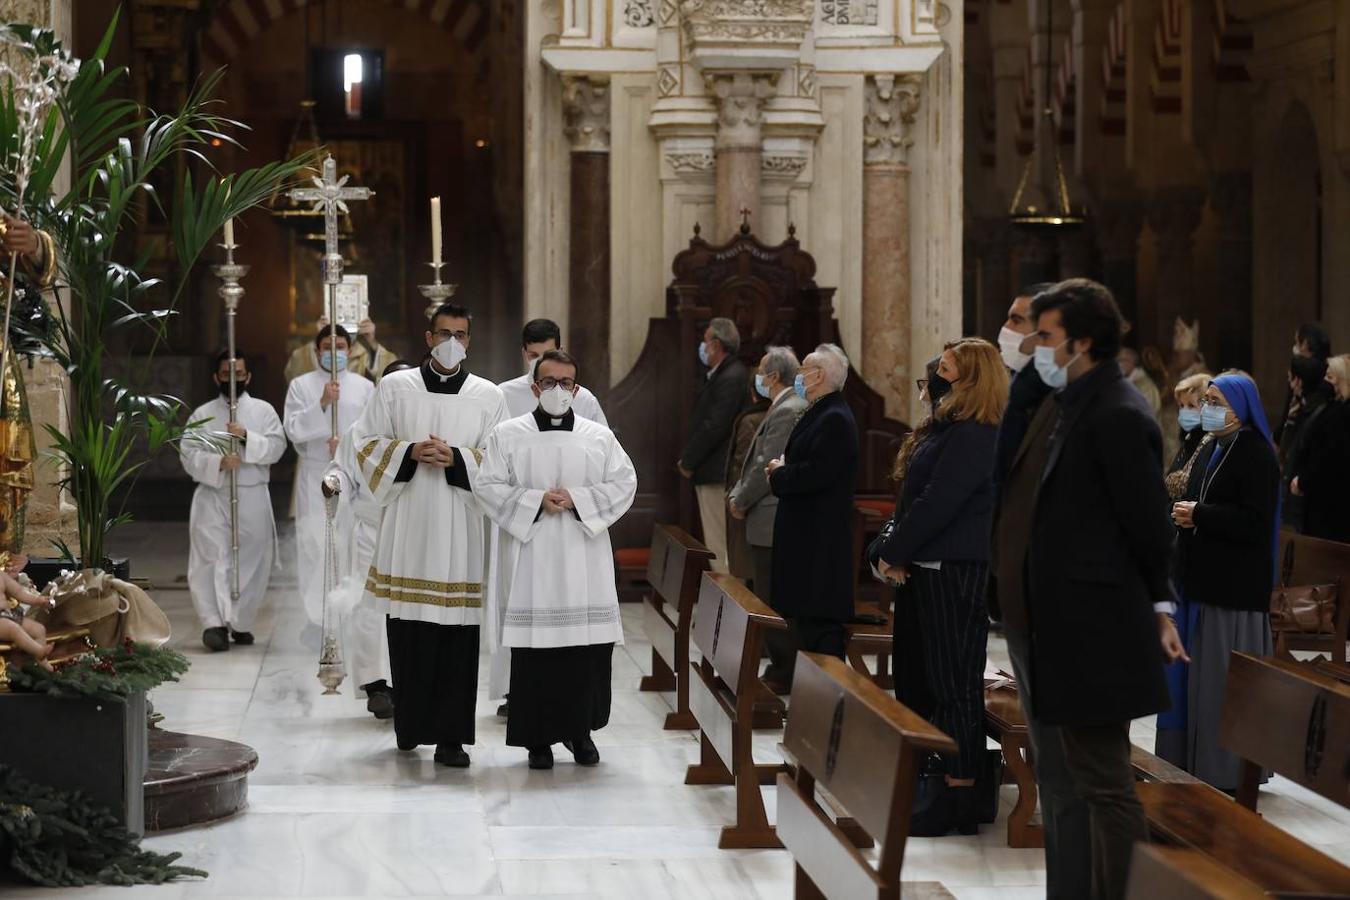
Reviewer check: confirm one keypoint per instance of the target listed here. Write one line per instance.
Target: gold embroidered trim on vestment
(384, 464)
(423, 584)
(477, 455)
(399, 595)
(364, 453)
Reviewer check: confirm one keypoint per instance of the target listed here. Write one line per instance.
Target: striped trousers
(953, 628)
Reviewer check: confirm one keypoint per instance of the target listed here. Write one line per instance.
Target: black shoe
(583, 751)
(380, 704)
(953, 809)
(408, 746)
(451, 755)
(216, 639)
(541, 757)
(504, 710)
(242, 638)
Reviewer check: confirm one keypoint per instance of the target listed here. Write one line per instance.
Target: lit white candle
(229, 232)
(435, 229)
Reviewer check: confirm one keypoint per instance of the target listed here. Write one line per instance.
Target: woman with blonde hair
(1189, 394)
(1320, 471)
(938, 548)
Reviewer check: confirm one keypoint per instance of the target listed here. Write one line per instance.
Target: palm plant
(117, 152)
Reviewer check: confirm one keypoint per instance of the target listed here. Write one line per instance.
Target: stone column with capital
(890, 105)
(586, 103)
(738, 147)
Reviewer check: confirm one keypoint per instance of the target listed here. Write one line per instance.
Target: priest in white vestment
(418, 447)
(308, 421)
(206, 458)
(537, 338)
(554, 482)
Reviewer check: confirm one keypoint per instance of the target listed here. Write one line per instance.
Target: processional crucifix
(330, 194)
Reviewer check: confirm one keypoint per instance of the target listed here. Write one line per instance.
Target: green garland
(109, 673)
(59, 839)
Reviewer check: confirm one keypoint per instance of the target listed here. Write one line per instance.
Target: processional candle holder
(437, 292)
(231, 291)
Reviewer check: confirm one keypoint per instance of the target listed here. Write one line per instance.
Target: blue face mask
(1054, 375)
(799, 385)
(760, 387)
(1188, 418)
(703, 353)
(1213, 418)
(326, 358)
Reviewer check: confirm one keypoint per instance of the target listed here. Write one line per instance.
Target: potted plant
(120, 157)
(122, 160)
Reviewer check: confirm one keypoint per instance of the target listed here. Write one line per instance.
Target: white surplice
(365, 642)
(520, 400)
(209, 557)
(552, 575)
(429, 554)
(309, 426)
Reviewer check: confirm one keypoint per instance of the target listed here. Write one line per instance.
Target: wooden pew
(729, 627)
(1172, 873)
(853, 740)
(1312, 561)
(1005, 722)
(673, 570)
(1278, 715)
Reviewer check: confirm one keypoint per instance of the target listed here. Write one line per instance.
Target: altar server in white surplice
(537, 338)
(365, 641)
(418, 447)
(308, 421)
(554, 482)
(206, 457)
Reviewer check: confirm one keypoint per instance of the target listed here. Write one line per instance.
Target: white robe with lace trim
(429, 556)
(552, 576)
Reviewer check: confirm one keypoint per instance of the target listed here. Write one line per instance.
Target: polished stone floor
(336, 811)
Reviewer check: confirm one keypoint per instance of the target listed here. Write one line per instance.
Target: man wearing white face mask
(1012, 337)
(418, 450)
(537, 338)
(308, 421)
(553, 483)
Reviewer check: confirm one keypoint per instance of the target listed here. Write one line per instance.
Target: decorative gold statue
(37, 256)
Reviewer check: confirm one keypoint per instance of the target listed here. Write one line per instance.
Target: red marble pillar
(586, 102)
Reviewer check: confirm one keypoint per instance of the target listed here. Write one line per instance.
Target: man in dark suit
(704, 460)
(750, 498)
(813, 565)
(1097, 592)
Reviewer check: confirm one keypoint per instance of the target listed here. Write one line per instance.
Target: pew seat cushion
(633, 557)
(884, 508)
(1208, 821)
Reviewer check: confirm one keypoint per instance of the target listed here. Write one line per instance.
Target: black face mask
(938, 387)
(240, 386)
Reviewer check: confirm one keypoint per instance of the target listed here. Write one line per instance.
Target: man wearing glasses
(553, 482)
(418, 448)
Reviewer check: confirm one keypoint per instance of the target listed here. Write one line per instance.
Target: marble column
(1173, 215)
(1231, 203)
(890, 105)
(738, 147)
(586, 112)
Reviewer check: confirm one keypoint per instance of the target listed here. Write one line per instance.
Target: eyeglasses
(548, 383)
(445, 335)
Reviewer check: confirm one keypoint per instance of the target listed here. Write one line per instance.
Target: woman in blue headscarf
(1228, 530)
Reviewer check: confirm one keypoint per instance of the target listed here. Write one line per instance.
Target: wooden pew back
(1291, 718)
(674, 564)
(1175, 873)
(726, 610)
(858, 743)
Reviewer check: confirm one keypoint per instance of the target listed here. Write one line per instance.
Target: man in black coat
(813, 564)
(1098, 593)
(726, 391)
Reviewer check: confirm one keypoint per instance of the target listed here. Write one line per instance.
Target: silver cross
(330, 194)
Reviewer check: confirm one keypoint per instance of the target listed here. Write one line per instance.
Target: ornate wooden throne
(770, 294)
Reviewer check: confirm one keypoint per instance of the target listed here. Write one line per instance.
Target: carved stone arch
(235, 23)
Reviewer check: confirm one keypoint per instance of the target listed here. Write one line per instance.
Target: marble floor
(335, 811)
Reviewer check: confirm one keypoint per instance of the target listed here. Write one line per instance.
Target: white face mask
(1010, 348)
(1054, 375)
(556, 401)
(449, 354)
